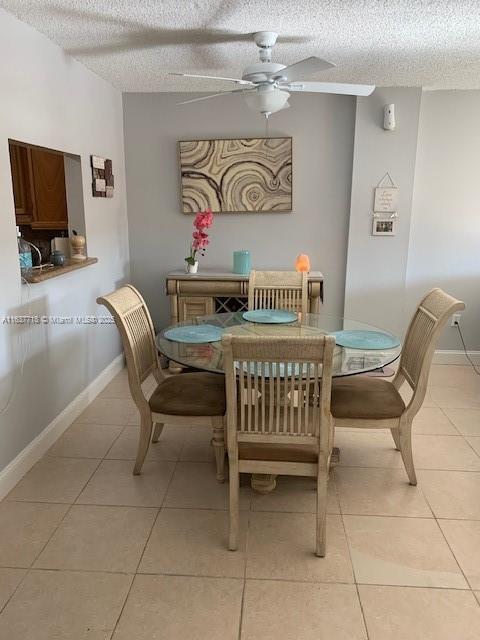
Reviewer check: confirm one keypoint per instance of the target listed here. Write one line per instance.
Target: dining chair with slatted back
(366, 402)
(278, 414)
(278, 290)
(190, 399)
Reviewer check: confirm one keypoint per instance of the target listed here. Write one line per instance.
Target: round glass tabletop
(209, 356)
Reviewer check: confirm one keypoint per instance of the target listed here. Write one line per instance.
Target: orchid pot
(191, 268)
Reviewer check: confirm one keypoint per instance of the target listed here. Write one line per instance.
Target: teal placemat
(361, 339)
(270, 316)
(194, 334)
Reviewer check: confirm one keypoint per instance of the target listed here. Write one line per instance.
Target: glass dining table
(209, 356)
(347, 361)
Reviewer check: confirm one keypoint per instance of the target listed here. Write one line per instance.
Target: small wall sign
(385, 200)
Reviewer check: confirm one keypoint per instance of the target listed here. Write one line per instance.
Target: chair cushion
(366, 398)
(190, 394)
(277, 452)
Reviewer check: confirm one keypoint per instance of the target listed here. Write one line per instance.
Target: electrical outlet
(455, 319)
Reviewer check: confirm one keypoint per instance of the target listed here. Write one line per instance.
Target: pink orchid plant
(203, 220)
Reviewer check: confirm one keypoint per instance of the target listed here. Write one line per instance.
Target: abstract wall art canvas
(102, 177)
(251, 174)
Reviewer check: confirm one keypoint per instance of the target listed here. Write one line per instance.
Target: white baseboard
(18, 467)
(455, 357)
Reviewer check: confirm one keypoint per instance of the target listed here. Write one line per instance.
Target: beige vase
(78, 248)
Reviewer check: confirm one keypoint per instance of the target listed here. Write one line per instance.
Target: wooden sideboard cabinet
(209, 292)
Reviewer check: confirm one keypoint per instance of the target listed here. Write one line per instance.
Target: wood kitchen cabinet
(20, 162)
(38, 177)
(49, 188)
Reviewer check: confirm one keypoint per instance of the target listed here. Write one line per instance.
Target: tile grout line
(341, 466)
(356, 466)
(242, 605)
(150, 507)
(143, 552)
(451, 421)
(363, 611)
(454, 556)
(465, 435)
(351, 561)
(122, 607)
(114, 442)
(470, 445)
(2, 609)
(247, 535)
(446, 541)
(252, 579)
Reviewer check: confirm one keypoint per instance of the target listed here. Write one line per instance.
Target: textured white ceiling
(134, 43)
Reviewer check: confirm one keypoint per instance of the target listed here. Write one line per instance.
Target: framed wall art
(102, 177)
(384, 226)
(236, 176)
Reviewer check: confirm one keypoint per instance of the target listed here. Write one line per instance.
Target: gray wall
(375, 289)
(49, 99)
(445, 234)
(74, 192)
(322, 128)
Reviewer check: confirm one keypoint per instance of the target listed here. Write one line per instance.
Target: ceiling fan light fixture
(269, 101)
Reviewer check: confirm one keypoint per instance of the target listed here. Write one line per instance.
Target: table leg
(263, 482)
(174, 368)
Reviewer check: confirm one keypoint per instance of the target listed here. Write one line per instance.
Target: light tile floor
(89, 551)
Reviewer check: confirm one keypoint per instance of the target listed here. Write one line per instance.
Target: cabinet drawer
(206, 287)
(191, 307)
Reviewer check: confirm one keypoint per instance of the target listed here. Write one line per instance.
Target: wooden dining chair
(278, 290)
(366, 402)
(190, 399)
(278, 414)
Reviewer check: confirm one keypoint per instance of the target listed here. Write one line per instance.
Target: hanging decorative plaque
(386, 197)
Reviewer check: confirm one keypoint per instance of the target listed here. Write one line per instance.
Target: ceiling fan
(266, 85)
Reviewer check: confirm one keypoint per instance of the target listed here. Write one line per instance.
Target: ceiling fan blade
(235, 36)
(333, 87)
(304, 67)
(213, 95)
(196, 75)
(139, 36)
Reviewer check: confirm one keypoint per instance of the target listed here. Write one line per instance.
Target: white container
(61, 244)
(191, 268)
(389, 117)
